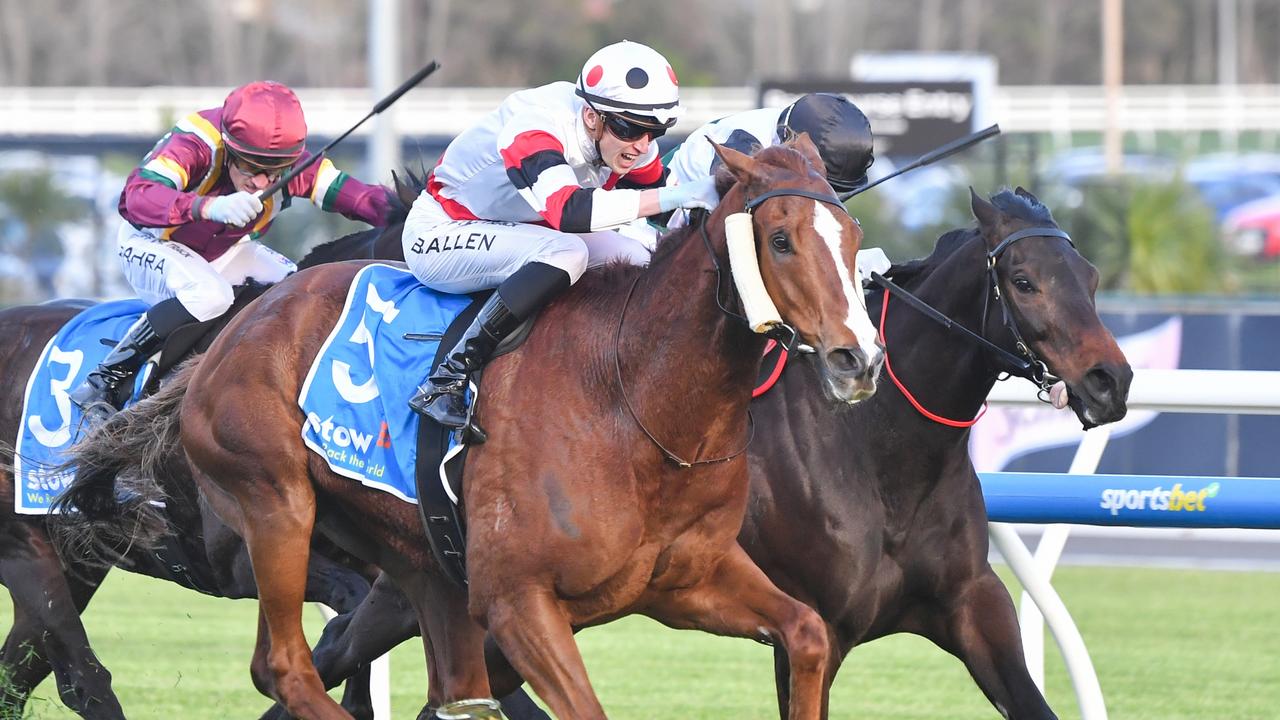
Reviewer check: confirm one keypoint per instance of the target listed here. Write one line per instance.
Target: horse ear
(804, 144)
(404, 188)
(740, 164)
(987, 214)
(1021, 192)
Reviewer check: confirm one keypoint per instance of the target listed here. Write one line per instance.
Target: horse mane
(400, 196)
(606, 281)
(906, 273)
(1022, 206)
(1009, 202)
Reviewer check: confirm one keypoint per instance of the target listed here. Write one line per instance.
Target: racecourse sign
(908, 118)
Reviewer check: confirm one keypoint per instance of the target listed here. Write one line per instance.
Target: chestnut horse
(883, 537)
(875, 518)
(199, 552)
(583, 516)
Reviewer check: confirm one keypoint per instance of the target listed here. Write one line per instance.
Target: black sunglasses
(628, 131)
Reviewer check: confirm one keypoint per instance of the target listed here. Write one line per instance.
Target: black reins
(1025, 364)
(783, 333)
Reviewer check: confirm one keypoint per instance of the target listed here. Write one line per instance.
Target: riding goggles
(628, 130)
(254, 165)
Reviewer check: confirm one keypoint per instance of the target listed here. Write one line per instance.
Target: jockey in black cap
(839, 129)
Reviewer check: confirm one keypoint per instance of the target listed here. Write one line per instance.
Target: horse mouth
(1101, 397)
(842, 392)
(849, 377)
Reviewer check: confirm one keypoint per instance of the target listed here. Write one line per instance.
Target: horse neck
(949, 375)
(356, 246)
(682, 349)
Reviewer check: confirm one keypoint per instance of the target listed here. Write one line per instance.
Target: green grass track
(1167, 644)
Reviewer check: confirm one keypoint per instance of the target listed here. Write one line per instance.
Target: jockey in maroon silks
(193, 218)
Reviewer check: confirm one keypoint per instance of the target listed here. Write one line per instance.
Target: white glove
(700, 193)
(239, 209)
(872, 260)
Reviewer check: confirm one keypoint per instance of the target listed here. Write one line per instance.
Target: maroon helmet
(263, 124)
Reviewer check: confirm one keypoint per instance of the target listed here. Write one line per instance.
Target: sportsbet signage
(1134, 500)
(1174, 499)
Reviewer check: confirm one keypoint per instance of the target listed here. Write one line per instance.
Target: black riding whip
(383, 104)
(929, 158)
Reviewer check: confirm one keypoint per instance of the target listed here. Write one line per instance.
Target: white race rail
(149, 111)
(1190, 391)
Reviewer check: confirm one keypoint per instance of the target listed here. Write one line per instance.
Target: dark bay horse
(200, 552)
(581, 517)
(874, 515)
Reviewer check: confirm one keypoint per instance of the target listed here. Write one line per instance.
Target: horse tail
(116, 500)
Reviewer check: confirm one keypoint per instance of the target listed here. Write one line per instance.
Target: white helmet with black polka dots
(632, 80)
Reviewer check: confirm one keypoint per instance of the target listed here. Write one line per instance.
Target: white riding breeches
(160, 269)
(462, 256)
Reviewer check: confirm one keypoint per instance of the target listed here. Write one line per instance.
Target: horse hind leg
(737, 599)
(269, 499)
(382, 620)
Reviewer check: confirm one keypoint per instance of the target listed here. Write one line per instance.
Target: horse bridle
(1026, 364)
(778, 332)
(783, 333)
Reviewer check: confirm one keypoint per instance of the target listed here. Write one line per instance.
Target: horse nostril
(846, 361)
(1102, 382)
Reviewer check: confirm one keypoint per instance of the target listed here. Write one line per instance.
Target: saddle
(195, 338)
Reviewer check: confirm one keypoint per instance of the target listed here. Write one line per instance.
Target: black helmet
(841, 132)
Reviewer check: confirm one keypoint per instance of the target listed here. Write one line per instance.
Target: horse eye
(780, 243)
(1023, 285)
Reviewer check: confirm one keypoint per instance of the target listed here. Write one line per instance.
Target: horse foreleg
(506, 682)
(737, 599)
(48, 634)
(982, 630)
(534, 633)
(782, 673)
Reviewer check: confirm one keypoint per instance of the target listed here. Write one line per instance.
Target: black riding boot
(443, 396)
(98, 391)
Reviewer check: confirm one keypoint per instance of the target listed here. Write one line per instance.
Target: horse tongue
(1058, 395)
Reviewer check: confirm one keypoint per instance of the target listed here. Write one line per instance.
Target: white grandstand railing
(148, 111)
(1188, 391)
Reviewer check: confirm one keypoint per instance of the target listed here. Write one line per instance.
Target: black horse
(874, 515)
(200, 552)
